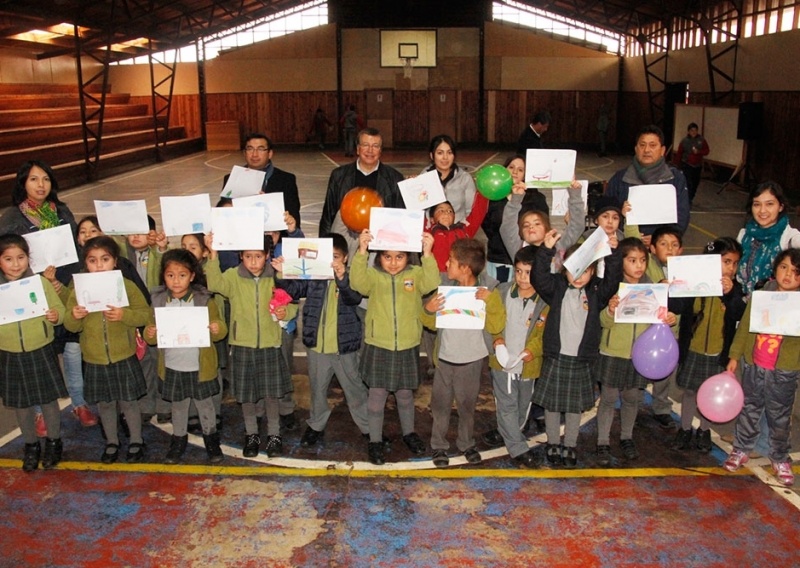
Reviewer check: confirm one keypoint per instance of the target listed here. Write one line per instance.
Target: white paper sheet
(423, 191)
(51, 247)
(22, 299)
(652, 205)
(243, 182)
(776, 313)
(122, 217)
(307, 259)
(96, 291)
(550, 168)
(592, 249)
(641, 303)
(238, 228)
(462, 310)
(560, 198)
(184, 214)
(696, 275)
(272, 206)
(396, 229)
(182, 327)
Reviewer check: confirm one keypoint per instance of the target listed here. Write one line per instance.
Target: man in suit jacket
(258, 152)
(531, 137)
(366, 171)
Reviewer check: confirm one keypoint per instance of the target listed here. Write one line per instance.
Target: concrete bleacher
(43, 121)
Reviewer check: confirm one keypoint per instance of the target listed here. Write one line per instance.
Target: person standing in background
(689, 158)
(531, 137)
(351, 123)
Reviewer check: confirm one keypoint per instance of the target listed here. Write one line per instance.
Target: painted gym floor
(327, 506)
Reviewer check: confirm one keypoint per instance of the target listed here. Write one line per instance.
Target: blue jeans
(73, 372)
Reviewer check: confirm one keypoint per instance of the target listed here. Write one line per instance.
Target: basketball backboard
(397, 46)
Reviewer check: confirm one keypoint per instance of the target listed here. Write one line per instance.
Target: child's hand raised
(727, 285)
(613, 241)
(277, 264)
(482, 293)
(150, 331)
(551, 238)
(291, 222)
(161, 241)
(434, 303)
(427, 244)
(208, 240)
(613, 303)
(626, 208)
(518, 188)
(363, 241)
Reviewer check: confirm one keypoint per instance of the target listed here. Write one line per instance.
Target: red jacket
(444, 237)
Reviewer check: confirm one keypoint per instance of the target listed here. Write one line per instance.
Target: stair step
(50, 101)
(50, 116)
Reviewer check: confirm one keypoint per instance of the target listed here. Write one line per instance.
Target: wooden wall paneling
(411, 117)
(509, 123)
(468, 114)
(442, 109)
(781, 130)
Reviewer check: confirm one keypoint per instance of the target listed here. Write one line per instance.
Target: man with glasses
(258, 155)
(366, 171)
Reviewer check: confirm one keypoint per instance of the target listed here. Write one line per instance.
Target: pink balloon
(655, 352)
(720, 398)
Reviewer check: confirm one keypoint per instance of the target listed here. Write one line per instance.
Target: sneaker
(440, 458)
(683, 440)
(569, 457)
(288, 422)
(375, 453)
(41, 427)
(414, 443)
(783, 471)
(311, 437)
(603, 455)
(472, 455)
(85, 416)
(492, 438)
(735, 460)
(528, 460)
(702, 441)
(274, 446)
(252, 443)
(53, 449)
(628, 448)
(664, 420)
(553, 454)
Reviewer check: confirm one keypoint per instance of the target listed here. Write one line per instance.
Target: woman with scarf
(765, 234)
(648, 168)
(36, 207)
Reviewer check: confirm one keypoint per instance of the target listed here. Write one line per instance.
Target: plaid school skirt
(123, 380)
(565, 385)
(696, 368)
(390, 370)
(258, 373)
(180, 385)
(31, 377)
(618, 373)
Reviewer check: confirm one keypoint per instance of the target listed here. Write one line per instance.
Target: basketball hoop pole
(408, 67)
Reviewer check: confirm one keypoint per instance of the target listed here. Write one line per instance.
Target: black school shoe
(472, 455)
(311, 437)
(493, 438)
(30, 459)
(569, 457)
(603, 456)
(528, 460)
(375, 453)
(414, 443)
(135, 452)
(440, 458)
(110, 454)
(252, 443)
(683, 440)
(288, 422)
(702, 441)
(553, 454)
(274, 446)
(53, 448)
(629, 449)
(387, 443)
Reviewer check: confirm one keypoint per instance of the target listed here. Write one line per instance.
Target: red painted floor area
(112, 518)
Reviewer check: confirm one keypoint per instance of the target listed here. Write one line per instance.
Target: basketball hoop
(408, 66)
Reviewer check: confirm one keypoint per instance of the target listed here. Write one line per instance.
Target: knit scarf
(760, 248)
(42, 216)
(659, 172)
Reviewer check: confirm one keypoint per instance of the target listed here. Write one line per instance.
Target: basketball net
(408, 67)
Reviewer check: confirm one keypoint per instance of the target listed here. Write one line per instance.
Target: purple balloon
(655, 352)
(720, 398)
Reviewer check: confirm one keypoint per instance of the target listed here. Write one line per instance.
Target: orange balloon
(356, 205)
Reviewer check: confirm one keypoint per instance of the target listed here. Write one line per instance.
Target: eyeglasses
(259, 150)
(370, 146)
